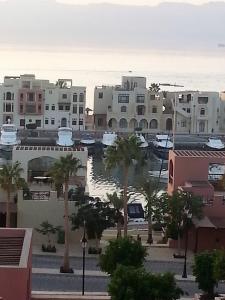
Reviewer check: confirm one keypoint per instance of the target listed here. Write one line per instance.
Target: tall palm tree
(149, 190)
(123, 154)
(10, 181)
(65, 167)
(117, 203)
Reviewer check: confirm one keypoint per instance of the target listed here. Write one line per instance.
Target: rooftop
(201, 154)
(48, 148)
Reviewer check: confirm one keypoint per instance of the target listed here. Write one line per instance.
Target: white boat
(216, 171)
(215, 144)
(109, 138)
(162, 177)
(8, 137)
(65, 137)
(162, 144)
(87, 140)
(144, 144)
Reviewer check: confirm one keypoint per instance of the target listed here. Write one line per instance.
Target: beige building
(131, 105)
(41, 203)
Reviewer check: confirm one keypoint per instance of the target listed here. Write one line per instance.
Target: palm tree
(149, 190)
(65, 167)
(10, 181)
(117, 203)
(123, 154)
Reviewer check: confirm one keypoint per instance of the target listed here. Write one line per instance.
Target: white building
(27, 100)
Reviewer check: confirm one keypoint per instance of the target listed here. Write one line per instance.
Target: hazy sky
(136, 2)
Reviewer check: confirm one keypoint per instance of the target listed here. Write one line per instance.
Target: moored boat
(215, 143)
(65, 137)
(161, 145)
(8, 137)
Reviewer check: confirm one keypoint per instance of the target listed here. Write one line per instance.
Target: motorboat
(144, 144)
(87, 140)
(109, 138)
(160, 176)
(215, 144)
(8, 137)
(135, 212)
(216, 172)
(161, 145)
(65, 137)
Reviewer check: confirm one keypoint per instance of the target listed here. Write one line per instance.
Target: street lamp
(84, 245)
(188, 217)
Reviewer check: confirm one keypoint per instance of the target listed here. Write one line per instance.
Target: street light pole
(84, 244)
(184, 275)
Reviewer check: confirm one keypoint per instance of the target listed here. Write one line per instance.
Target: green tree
(181, 205)
(97, 215)
(47, 229)
(149, 189)
(62, 171)
(117, 203)
(219, 265)
(203, 270)
(129, 282)
(11, 181)
(123, 251)
(154, 87)
(123, 154)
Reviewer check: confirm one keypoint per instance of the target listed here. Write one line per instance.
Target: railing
(36, 195)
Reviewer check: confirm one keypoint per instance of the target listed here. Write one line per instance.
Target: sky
(136, 2)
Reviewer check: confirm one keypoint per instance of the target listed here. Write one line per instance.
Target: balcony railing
(36, 195)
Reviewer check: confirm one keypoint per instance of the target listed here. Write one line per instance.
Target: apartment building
(26, 100)
(132, 105)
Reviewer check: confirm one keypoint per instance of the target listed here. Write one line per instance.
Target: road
(68, 282)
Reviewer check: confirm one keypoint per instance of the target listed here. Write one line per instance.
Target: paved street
(40, 261)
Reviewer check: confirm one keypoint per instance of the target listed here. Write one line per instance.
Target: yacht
(144, 144)
(215, 144)
(161, 145)
(87, 140)
(216, 172)
(8, 137)
(65, 137)
(109, 138)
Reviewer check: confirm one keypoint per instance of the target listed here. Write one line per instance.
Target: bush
(93, 250)
(123, 251)
(48, 248)
(130, 283)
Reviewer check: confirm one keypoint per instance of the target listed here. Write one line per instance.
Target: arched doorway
(143, 124)
(133, 124)
(123, 123)
(202, 126)
(112, 123)
(63, 122)
(169, 124)
(39, 166)
(153, 124)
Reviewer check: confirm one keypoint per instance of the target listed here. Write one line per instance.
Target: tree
(149, 189)
(47, 229)
(155, 88)
(123, 251)
(97, 215)
(117, 203)
(123, 154)
(10, 181)
(180, 206)
(128, 283)
(62, 171)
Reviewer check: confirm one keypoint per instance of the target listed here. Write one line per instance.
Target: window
(81, 122)
(154, 110)
(183, 123)
(30, 97)
(60, 107)
(74, 109)
(140, 98)
(140, 110)
(46, 121)
(53, 107)
(8, 107)
(46, 107)
(75, 97)
(8, 96)
(52, 121)
(123, 98)
(74, 122)
(39, 96)
(100, 95)
(21, 108)
(81, 97)
(21, 95)
(38, 123)
(152, 97)
(12, 107)
(67, 107)
(202, 112)
(64, 96)
(26, 84)
(30, 109)
(203, 100)
(50, 92)
(39, 108)
(123, 108)
(81, 110)
(100, 122)
(188, 110)
(22, 122)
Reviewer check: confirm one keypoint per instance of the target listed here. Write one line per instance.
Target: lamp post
(84, 245)
(188, 217)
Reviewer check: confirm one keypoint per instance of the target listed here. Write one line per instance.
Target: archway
(169, 124)
(112, 123)
(153, 124)
(202, 126)
(123, 123)
(39, 166)
(63, 122)
(133, 124)
(143, 124)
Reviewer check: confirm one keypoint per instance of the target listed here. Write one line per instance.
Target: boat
(161, 145)
(215, 143)
(144, 144)
(65, 137)
(87, 140)
(161, 176)
(216, 172)
(9, 137)
(109, 138)
(135, 213)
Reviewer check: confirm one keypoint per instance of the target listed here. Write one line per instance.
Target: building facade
(132, 105)
(26, 100)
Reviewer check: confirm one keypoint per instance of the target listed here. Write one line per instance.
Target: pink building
(200, 172)
(15, 264)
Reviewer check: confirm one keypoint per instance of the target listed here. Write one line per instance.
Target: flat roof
(49, 148)
(202, 154)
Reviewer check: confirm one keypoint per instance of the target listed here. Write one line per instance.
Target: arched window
(123, 123)
(153, 124)
(123, 109)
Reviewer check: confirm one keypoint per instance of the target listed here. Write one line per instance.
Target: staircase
(10, 250)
